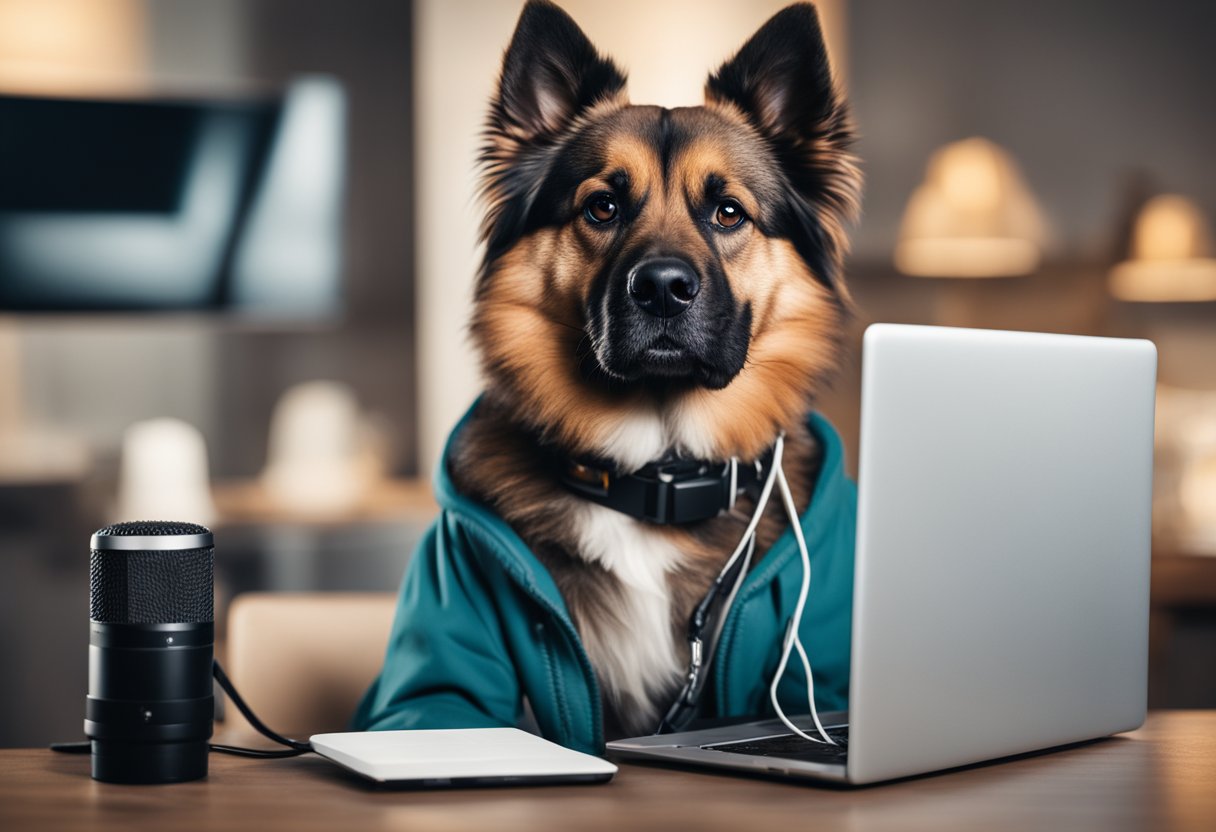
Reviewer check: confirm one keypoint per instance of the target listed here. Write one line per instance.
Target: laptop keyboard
(791, 747)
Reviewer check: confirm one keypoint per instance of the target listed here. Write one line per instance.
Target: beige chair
(302, 660)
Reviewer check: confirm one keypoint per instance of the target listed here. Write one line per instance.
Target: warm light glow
(1170, 227)
(1197, 484)
(973, 216)
(1197, 492)
(966, 257)
(1170, 255)
(1185, 503)
(70, 46)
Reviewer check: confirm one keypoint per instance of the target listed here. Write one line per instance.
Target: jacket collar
(830, 492)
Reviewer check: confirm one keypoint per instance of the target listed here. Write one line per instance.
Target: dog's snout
(664, 286)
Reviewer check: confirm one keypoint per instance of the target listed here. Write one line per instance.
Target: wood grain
(1162, 777)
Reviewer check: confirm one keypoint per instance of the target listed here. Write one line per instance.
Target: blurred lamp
(1170, 258)
(318, 459)
(973, 216)
(164, 473)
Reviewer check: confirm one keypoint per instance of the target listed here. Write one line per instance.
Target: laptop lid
(1002, 572)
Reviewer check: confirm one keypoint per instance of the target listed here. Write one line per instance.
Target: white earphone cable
(791, 639)
(749, 535)
(747, 543)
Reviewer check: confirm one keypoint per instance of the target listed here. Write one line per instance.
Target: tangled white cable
(791, 634)
(791, 641)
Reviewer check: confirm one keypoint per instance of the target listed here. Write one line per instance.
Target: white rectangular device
(460, 757)
(1002, 564)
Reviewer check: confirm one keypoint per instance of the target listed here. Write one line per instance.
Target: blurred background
(237, 243)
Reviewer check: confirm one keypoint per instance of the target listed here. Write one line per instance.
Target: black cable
(263, 753)
(72, 747)
(294, 747)
(297, 746)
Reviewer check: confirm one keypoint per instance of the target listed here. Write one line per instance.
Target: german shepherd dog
(657, 282)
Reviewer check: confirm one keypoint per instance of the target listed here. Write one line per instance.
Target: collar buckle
(668, 492)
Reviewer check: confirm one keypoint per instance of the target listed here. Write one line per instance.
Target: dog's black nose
(664, 287)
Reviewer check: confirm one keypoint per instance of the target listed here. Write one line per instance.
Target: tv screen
(59, 157)
(173, 205)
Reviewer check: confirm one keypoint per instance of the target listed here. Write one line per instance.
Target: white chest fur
(631, 644)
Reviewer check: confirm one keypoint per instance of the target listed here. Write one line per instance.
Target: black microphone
(150, 706)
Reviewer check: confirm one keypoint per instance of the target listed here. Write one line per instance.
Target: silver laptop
(1002, 568)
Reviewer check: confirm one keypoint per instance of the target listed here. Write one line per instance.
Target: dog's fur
(571, 363)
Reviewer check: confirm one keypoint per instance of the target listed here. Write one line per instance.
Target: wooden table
(1162, 777)
(247, 502)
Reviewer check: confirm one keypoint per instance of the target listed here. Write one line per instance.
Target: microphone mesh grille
(165, 587)
(146, 528)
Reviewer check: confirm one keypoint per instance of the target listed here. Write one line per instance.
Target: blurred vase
(164, 473)
(319, 459)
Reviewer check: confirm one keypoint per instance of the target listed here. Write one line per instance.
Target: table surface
(1162, 777)
(247, 502)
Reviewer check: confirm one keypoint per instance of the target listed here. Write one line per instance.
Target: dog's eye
(730, 214)
(600, 208)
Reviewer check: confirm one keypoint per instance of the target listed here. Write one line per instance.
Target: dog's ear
(781, 80)
(550, 74)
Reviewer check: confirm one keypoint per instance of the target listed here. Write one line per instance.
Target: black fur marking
(665, 141)
(782, 77)
(619, 180)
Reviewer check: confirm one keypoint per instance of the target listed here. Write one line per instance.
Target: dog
(657, 284)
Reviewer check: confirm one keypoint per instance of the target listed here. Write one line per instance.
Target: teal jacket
(480, 625)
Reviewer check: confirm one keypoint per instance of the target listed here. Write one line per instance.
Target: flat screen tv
(227, 204)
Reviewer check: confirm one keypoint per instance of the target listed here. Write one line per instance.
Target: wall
(93, 376)
(1092, 97)
(222, 376)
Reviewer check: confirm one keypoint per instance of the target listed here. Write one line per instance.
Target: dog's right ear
(551, 74)
(781, 82)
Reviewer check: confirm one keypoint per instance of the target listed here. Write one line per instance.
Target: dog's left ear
(781, 80)
(550, 74)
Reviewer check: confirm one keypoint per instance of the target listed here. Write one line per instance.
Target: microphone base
(149, 762)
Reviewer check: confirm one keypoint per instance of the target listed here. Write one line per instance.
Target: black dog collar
(668, 492)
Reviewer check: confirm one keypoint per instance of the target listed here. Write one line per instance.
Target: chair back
(302, 660)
